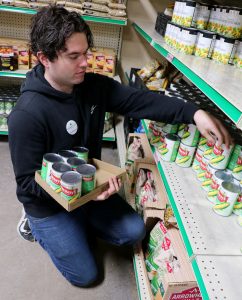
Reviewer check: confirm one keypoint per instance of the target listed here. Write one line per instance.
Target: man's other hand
(114, 186)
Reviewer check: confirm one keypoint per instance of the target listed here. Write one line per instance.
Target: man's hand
(212, 129)
(114, 186)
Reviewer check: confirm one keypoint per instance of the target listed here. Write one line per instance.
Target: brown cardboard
(104, 172)
(159, 186)
(183, 281)
(151, 217)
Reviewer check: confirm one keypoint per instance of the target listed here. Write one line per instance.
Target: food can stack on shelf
(217, 30)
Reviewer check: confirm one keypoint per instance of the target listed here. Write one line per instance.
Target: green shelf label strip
(228, 108)
(4, 132)
(180, 224)
(86, 18)
(12, 74)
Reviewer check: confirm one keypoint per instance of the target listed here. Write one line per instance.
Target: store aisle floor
(26, 272)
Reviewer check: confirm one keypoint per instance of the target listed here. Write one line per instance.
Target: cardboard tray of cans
(103, 173)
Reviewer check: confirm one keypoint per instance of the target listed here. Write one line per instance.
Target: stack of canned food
(218, 169)
(69, 173)
(8, 98)
(207, 31)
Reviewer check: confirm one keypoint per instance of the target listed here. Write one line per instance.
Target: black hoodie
(38, 125)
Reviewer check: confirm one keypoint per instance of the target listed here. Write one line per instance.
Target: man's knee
(82, 280)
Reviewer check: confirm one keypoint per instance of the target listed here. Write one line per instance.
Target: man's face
(70, 66)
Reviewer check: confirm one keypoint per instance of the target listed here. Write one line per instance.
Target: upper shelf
(14, 74)
(86, 18)
(221, 83)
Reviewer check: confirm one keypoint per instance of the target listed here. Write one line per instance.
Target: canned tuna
(71, 185)
(81, 152)
(48, 160)
(56, 172)
(190, 136)
(227, 196)
(220, 156)
(170, 147)
(185, 155)
(88, 177)
(217, 179)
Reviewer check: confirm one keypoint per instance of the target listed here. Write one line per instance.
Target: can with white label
(170, 128)
(169, 150)
(66, 154)
(205, 44)
(71, 185)
(48, 160)
(227, 196)
(220, 156)
(58, 169)
(82, 152)
(206, 184)
(237, 209)
(185, 155)
(197, 160)
(88, 173)
(190, 136)
(217, 179)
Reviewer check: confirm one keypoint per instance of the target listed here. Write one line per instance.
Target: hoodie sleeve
(148, 105)
(27, 134)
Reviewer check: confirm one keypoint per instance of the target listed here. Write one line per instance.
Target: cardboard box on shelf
(144, 152)
(180, 284)
(152, 216)
(103, 173)
(159, 186)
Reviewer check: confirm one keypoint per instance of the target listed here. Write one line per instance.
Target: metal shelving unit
(208, 238)
(210, 77)
(30, 11)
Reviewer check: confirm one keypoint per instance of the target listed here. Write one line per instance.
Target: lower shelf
(3, 132)
(142, 281)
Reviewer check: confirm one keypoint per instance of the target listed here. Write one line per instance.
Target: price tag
(170, 57)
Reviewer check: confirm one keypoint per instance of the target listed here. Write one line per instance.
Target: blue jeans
(66, 235)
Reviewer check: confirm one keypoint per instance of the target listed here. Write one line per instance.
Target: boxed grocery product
(103, 172)
(8, 58)
(138, 148)
(110, 61)
(23, 56)
(159, 201)
(99, 58)
(174, 279)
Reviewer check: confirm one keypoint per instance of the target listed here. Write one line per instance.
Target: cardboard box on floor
(181, 284)
(103, 173)
(146, 154)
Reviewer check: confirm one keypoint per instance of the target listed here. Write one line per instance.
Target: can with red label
(197, 160)
(48, 160)
(206, 184)
(88, 173)
(168, 151)
(217, 179)
(206, 146)
(71, 184)
(220, 156)
(237, 209)
(65, 154)
(185, 155)
(58, 169)
(190, 136)
(203, 169)
(228, 194)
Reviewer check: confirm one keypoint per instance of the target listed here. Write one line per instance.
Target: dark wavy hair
(52, 26)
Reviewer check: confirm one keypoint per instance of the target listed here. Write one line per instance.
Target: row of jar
(204, 44)
(224, 20)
